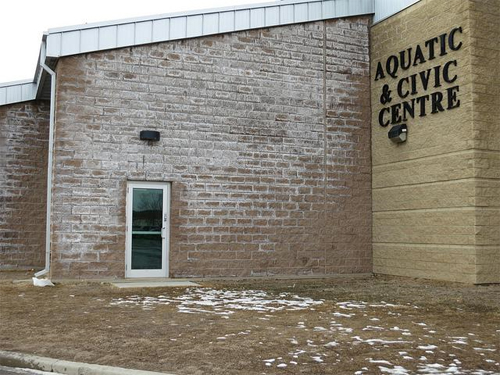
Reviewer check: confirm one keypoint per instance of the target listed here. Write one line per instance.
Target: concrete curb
(11, 359)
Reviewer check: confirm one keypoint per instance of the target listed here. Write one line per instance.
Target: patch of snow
(383, 304)
(393, 313)
(340, 315)
(41, 282)
(223, 302)
(426, 347)
(310, 343)
(349, 305)
(371, 360)
(452, 369)
(459, 340)
(297, 353)
(331, 344)
(373, 328)
(436, 368)
(380, 341)
(434, 365)
(344, 329)
(397, 370)
(319, 329)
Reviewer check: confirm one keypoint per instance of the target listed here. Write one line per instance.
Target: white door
(148, 217)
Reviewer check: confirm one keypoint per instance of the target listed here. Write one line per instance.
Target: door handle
(163, 232)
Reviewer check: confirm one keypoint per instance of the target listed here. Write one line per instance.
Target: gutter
(49, 160)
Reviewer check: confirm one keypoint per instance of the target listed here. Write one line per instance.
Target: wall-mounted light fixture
(398, 133)
(150, 135)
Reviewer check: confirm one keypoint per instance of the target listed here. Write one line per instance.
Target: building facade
(436, 197)
(253, 142)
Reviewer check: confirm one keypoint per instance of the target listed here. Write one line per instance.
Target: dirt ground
(330, 326)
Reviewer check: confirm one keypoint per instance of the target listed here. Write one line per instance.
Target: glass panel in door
(147, 223)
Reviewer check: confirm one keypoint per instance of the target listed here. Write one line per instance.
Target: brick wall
(265, 137)
(435, 198)
(23, 178)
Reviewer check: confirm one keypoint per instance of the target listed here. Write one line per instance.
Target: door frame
(164, 271)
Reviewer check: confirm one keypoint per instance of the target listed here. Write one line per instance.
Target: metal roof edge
(13, 92)
(154, 17)
(15, 83)
(139, 31)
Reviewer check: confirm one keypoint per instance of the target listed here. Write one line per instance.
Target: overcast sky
(22, 23)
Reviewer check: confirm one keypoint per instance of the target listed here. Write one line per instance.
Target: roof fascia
(174, 14)
(17, 92)
(102, 36)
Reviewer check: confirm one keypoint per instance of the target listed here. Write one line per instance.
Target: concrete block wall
(265, 137)
(23, 179)
(485, 57)
(435, 197)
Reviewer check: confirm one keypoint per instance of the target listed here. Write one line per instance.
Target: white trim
(16, 83)
(197, 12)
(79, 39)
(50, 164)
(17, 92)
(164, 271)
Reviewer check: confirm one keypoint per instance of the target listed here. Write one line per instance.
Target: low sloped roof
(93, 37)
